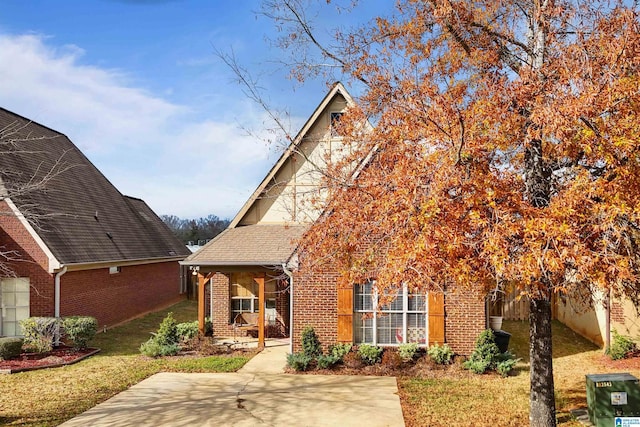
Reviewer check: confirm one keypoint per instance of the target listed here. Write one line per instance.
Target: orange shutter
(345, 315)
(436, 318)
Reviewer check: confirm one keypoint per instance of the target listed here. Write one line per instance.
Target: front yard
(51, 396)
(437, 397)
(457, 397)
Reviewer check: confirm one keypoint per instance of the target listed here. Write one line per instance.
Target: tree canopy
(195, 230)
(505, 151)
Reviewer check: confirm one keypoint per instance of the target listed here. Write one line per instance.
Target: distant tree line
(195, 230)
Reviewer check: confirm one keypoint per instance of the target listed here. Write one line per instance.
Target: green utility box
(613, 400)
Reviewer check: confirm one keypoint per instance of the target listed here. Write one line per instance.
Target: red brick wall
(315, 304)
(111, 298)
(221, 305)
(31, 261)
(114, 298)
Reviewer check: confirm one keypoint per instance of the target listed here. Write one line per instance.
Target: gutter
(290, 275)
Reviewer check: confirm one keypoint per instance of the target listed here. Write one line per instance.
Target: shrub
(10, 347)
(208, 327)
(620, 346)
(168, 332)
(80, 329)
(408, 351)
(484, 355)
(391, 359)
(299, 361)
(326, 361)
(153, 348)
(352, 360)
(187, 330)
(505, 366)
(311, 343)
(441, 355)
(40, 333)
(340, 350)
(370, 354)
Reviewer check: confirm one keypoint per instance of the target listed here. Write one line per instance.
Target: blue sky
(137, 87)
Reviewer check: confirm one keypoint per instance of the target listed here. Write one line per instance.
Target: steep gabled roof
(337, 89)
(81, 217)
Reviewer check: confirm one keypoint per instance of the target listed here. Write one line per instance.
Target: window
(244, 298)
(403, 320)
(335, 123)
(14, 305)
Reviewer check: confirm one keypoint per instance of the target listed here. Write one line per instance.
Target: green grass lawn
(49, 397)
(458, 397)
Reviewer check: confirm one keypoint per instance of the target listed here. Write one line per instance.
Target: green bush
(408, 351)
(441, 355)
(620, 346)
(485, 354)
(208, 327)
(40, 333)
(168, 332)
(311, 343)
(340, 350)
(370, 354)
(153, 348)
(326, 361)
(187, 330)
(299, 361)
(505, 366)
(80, 329)
(10, 347)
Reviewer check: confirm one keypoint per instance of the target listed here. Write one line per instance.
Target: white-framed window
(14, 304)
(403, 320)
(244, 299)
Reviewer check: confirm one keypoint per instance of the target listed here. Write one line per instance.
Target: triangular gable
(337, 90)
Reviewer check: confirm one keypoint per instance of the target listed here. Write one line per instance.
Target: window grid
(400, 321)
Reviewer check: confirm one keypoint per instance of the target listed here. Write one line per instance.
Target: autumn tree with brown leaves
(505, 150)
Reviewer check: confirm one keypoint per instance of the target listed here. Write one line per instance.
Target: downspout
(607, 321)
(290, 275)
(56, 299)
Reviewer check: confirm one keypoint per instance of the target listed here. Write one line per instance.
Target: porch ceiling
(250, 245)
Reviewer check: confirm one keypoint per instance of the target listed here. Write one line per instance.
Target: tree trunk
(543, 407)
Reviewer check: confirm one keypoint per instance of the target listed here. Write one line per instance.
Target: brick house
(253, 266)
(72, 244)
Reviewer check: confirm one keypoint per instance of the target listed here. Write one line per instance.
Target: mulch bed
(59, 356)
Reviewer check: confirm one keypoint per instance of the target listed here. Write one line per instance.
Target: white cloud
(147, 146)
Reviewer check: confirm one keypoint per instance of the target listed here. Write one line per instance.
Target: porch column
(260, 282)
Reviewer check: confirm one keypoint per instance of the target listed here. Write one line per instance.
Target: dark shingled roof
(83, 218)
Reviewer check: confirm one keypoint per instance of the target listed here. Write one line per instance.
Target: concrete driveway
(251, 397)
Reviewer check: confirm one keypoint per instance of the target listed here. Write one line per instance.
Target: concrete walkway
(259, 394)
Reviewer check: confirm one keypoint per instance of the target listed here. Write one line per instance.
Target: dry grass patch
(49, 397)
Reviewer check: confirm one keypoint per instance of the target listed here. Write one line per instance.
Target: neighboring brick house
(253, 266)
(72, 243)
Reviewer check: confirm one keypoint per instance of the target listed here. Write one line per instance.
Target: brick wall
(115, 298)
(111, 298)
(315, 304)
(28, 261)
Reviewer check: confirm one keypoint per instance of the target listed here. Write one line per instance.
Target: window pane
(396, 304)
(246, 304)
(417, 302)
(364, 297)
(363, 330)
(417, 328)
(390, 328)
(236, 304)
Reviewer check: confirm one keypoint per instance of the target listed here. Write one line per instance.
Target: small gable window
(335, 118)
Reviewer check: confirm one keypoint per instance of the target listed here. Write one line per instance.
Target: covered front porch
(240, 303)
